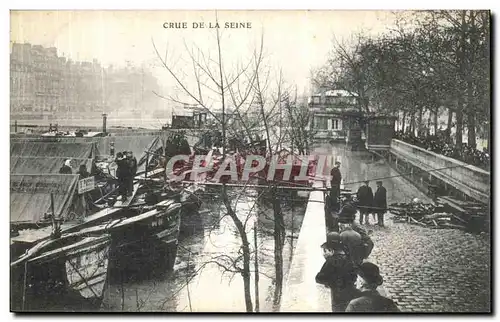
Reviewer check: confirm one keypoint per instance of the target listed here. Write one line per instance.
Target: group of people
(346, 252)
(67, 169)
(347, 248)
(441, 144)
(368, 202)
(125, 173)
(376, 204)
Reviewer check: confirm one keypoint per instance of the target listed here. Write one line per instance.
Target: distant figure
(112, 148)
(370, 300)
(365, 198)
(335, 184)
(122, 173)
(337, 273)
(66, 168)
(132, 164)
(83, 172)
(380, 203)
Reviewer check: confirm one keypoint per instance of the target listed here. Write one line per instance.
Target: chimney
(104, 117)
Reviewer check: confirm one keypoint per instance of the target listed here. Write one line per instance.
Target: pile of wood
(446, 213)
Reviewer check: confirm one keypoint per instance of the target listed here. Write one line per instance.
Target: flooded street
(203, 278)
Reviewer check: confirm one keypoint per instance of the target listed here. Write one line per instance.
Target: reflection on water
(203, 278)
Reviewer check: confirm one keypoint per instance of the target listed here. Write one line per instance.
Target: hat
(332, 240)
(333, 237)
(337, 162)
(379, 182)
(370, 273)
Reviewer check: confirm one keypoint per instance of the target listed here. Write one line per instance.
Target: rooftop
(337, 93)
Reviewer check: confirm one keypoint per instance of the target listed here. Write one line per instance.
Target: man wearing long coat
(336, 179)
(365, 201)
(380, 203)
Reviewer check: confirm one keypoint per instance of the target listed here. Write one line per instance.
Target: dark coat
(132, 164)
(123, 170)
(372, 301)
(365, 196)
(380, 198)
(365, 239)
(336, 176)
(337, 272)
(65, 170)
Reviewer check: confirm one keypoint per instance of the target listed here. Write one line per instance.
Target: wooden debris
(448, 213)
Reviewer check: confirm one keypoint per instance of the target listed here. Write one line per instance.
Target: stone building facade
(41, 82)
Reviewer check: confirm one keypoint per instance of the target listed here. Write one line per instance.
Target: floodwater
(358, 166)
(209, 247)
(199, 283)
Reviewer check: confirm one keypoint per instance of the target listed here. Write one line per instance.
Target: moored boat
(66, 273)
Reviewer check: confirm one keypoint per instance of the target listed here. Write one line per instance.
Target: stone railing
(471, 180)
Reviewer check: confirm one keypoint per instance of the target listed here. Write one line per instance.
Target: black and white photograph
(242, 161)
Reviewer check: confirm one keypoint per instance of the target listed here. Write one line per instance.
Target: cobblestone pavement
(433, 270)
(425, 269)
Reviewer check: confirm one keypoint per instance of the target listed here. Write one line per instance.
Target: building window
(321, 123)
(335, 124)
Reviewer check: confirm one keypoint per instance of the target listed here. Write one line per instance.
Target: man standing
(365, 198)
(370, 299)
(122, 173)
(132, 164)
(380, 203)
(337, 273)
(336, 179)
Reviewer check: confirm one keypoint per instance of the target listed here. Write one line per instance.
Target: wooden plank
(125, 203)
(151, 173)
(56, 252)
(101, 214)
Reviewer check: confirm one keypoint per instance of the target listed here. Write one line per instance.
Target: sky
(294, 41)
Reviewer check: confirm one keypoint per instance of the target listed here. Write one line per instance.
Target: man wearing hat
(338, 273)
(132, 165)
(370, 299)
(355, 237)
(122, 174)
(336, 179)
(380, 203)
(365, 198)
